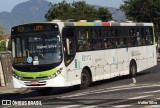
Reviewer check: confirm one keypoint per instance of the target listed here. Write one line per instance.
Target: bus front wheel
(85, 79)
(133, 69)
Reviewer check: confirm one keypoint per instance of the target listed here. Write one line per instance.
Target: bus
(62, 54)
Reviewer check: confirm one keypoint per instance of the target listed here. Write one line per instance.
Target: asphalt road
(143, 91)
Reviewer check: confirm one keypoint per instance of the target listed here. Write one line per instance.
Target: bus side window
(148, 36)
(138, 37)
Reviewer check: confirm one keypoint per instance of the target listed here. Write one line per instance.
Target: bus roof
(92, 23)
(106, 24)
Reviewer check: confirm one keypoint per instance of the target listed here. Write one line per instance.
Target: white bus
(60, 54)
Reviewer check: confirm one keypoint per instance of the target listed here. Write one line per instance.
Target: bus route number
(86, 57)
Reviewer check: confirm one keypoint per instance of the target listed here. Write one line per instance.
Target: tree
(77, 11)
(59, 11)
(142, 11)
(104, 14)
(9, 45)
(1, 32)
(2, 42)
(2, 45)
(84, 11)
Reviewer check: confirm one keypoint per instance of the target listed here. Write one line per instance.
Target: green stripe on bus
(36, 74)
(89, 24)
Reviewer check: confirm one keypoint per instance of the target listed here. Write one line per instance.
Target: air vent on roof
(82, 20)
(56, 20)
(98, 21)
(129, 21)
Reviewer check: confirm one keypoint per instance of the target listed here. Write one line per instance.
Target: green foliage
(2, 42)
(9, 45)
(142, 11)
(2, 45)
(1, 32)
(104, 14)
(77, 11)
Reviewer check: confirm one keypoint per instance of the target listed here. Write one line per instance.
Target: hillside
(34, 11)
(30, 11)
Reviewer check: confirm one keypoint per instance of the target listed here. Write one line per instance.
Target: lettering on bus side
(135, 53)
(98, 60)
(86, 57)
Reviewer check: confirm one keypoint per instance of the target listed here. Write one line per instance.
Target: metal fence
(5, 68)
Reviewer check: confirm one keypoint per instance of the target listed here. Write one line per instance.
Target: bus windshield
(34, 49)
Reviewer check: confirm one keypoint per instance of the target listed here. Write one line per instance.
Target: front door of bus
(69, 52)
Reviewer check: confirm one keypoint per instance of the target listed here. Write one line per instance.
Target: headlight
(16, 76)
(59, 71)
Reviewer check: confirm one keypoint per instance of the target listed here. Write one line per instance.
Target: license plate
(35, 82)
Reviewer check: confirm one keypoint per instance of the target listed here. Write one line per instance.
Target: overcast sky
(7, 5)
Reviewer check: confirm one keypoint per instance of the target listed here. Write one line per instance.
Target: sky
(7, 5)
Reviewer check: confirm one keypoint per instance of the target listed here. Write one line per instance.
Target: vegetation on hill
(77, 11)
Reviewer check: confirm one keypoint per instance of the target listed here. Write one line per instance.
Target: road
(143, 91)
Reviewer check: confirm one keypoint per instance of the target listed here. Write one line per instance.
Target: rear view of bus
(37, 55)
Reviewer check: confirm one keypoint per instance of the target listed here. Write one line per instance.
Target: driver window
(68, 44)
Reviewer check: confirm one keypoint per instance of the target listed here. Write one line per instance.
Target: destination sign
(34, 28)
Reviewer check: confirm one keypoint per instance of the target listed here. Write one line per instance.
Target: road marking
(121, 86)
(7, 106)
(122, 106)
(106, 90)
(69, 106)
(154, 106)
(139, 97)
(90, 107)
(134, 80)
(149, 92)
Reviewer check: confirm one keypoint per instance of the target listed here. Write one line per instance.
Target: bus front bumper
(58, 81)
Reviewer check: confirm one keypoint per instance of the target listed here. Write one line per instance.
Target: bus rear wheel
(85, 79)
(133, 69)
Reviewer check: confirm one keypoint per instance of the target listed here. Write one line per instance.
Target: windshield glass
(37, 49)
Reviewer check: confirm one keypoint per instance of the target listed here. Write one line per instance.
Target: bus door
(69, 52)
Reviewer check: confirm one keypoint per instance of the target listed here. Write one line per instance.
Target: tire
(44, 91)
(133, 69)
(85, 79)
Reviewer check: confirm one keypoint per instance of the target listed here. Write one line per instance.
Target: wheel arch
(89, 71)
(133, 62)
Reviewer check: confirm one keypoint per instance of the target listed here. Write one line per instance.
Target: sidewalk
(8, 89)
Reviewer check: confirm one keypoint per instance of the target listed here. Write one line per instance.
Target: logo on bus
(29, 60)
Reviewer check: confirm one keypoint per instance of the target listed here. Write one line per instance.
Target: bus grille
(29, 83)
(31, 78)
